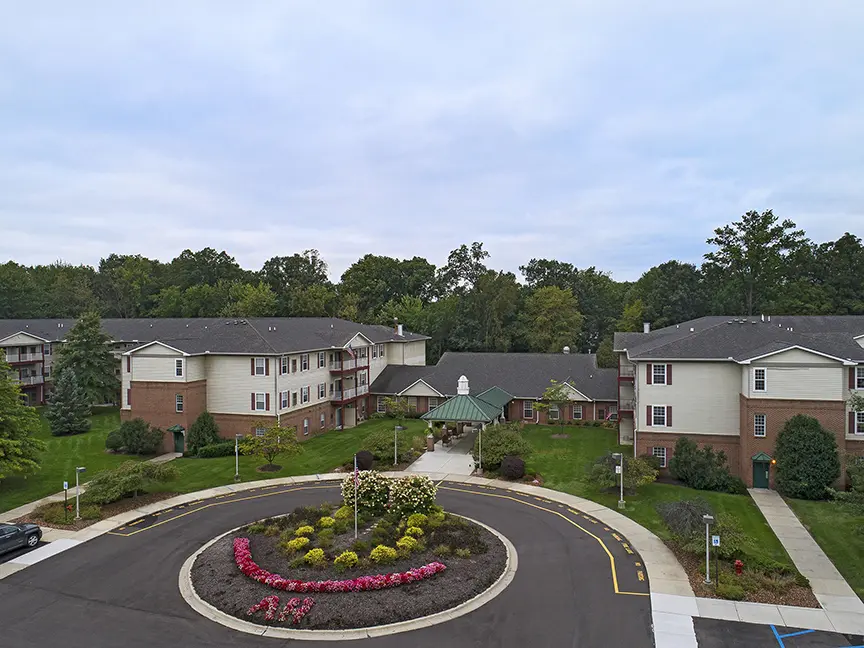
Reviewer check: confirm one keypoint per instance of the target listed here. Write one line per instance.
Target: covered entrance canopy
(463, 408)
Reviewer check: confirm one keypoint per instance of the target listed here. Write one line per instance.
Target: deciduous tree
(551, 320)
(20, 449)
(277, 441)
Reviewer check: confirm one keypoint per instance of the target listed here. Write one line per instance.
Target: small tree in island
(398, 408)
(275, 442)
(555, 396)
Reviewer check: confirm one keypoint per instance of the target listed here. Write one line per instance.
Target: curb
(187, 591)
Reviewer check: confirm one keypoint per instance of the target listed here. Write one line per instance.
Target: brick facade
(647, 441)
(590, 411)
(155, 402)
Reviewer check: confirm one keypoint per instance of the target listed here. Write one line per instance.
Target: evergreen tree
(86, 350)
(68, 408)
(19, 425)
(203, 431)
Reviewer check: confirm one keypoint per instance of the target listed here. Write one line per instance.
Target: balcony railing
(626, 405)
(31, 380)
(348, 365)
(627, 371)
(349, 394)
(24, 357)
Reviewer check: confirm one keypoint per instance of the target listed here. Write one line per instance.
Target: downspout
(636, 404)
(276, 402)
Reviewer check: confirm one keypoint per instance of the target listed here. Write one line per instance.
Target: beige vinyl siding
(704, 397)
(414, 353)
(196, 368)
(798, 375)
(155, 368)
(157, 350)
(21, 339)
(795, 356)
(376, 365)
(230, 383)
(292, 382)
(125, 383)
(420, 389)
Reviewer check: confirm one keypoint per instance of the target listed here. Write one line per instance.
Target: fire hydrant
(739, 567)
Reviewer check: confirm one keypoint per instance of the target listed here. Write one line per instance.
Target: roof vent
(399, 329)
(692, 329)
(566, 350)
(462, 386)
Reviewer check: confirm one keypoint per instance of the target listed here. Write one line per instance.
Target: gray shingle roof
(744, 338)
(222, 335)
(524, 375)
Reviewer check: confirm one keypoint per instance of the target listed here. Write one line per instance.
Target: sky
(610, 134)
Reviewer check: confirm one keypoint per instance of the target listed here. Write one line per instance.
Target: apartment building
(521, 376)
(733, 382)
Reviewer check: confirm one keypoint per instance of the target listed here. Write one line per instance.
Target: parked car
(19, 536)
(612, 417)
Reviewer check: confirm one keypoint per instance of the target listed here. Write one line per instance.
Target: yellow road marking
(641, 575)
(617, 537)
(563, 517)
(638, 564)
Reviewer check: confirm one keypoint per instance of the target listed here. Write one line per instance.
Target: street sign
(65, 485)
(715, 540)
(617, 470)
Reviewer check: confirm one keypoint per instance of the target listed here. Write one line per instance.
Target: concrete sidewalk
(839, 601)
(454, 459)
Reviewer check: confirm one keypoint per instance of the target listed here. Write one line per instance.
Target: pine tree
(19, 425)
(203, 431)
(86, 350)
(68, 408)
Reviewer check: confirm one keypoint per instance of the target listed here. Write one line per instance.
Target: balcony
(349, 394)
(626, 372)
(350, 364)
(31, 380)
(626, 405)
(12, 358)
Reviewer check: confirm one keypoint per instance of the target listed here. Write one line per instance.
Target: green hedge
(222, 449)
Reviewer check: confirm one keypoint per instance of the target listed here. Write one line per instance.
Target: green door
(178, 441)
(760, 474)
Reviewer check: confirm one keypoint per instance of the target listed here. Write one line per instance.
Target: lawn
(839, 530)
(321, 454)
(564, 463)
(61, 458)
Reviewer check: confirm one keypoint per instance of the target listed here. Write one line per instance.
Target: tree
(751, 254)
(486, 314)
(139, 437)
(68, 407)
(87, 352)
(248, 300)
(703, 468)
(606, 356)
(127, 284)
(551, 320)
(18, 294)
(20, 448)
(291, 276)
(637, 472)
(378, 280)
(205, 267)
(398, 408)
(275, 442)
(128, 479)
(807, 459)
(463, 269)
(632, 318)
(202, 432)
(670, 293)
(554, 397)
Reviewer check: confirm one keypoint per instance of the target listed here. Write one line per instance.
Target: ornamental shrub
(297, 544)
(414, 532)
(55, 513)
(703, 468)
(222, 449)
(513, 467)
(326, 521)
(417, 520)
(139, 437)
(305, 530)
(684, 518)
(406, 543)
(256, 527)
(202, 432)
(380, 445)
(114, 441)
(365, 460)
(383, 555)
(637, 472)
(730, 592)
(415, 494)
(463, 553)
(500, 441)
(127, 480)
(373, 492)
(315, 557)
(442, 550)
(344, 513)
(807, 459)
(346, 560)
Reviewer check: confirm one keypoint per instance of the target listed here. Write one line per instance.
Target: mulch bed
(694, 565)
(109, 510)
(218, 581)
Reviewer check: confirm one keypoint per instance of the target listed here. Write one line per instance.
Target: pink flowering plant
(270, 605)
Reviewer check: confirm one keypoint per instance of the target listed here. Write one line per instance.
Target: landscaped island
(306, 569)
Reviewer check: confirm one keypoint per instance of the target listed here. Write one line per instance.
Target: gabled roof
(495, 396)
(27, 333)
(463, 408)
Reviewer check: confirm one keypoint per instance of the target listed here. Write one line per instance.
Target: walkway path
(454, 459)
(832, 591)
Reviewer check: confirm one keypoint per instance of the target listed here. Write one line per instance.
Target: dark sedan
(19, 536)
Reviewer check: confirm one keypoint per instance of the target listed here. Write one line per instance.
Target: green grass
(61, 458)
(564, 464)
(321, 454)
(839, 530)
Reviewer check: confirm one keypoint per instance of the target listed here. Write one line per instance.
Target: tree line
(758, 263)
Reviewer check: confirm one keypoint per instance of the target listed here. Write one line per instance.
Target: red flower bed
(243, 558)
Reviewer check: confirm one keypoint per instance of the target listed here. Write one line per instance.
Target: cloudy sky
(600, 133)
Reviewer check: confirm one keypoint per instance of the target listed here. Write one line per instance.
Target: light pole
(78, 471)
(395, 444)
(237, 438)
(620, 470)
(708, 520)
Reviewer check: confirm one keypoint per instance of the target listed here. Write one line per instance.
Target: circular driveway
(578, 582)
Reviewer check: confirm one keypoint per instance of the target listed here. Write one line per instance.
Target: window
(47, 349)
(758, 425)
(260, 366)
(601, 413)
(46, 371)
(128, 364)
(259, 431)
(178, 403)
(322, 390)
(577, 412)
(859, 377)
(412, 403)
(128, 398)
(363, 352)
(260, 402)
(658, 374)
(527, 409)
(283, 400)
(305, 427)
(304, 394)
(374, 351)
(304, 362)
(553, 412)
(381, 406)
(293, 365)
(433, 402)
(759, 380)
(293, 399)
(322, 359)
(283, 365)
(660, 453)
(178, 367)
(380, 350)
(658, 415)
(363, 378)
(322, 421)
(859, 422)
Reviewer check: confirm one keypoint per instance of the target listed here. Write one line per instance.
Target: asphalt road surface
(121, 589)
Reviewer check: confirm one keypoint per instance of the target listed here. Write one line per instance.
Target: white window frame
(283, 399)
(323, 420)
(760, 425)
(322, 390)
(380, 350)
(660, 453)
(412, 403)
(362, 380)
(260, 431)
(304, 394)
(294, 399)
(322, 359)
(260, 363)
(305, 427)
(432, 402)
(380, 405)
(527, 409)
(577, 412)
(178, 368)
(662, 376)
(654, 410)
(374, 351)
(304, 362)
(859, 423)
(553, 409)
(283, 365)
(178, 403)
(764, 379)
(859, 377)
(262, 402)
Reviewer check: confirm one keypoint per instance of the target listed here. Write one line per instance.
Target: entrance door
(338, 417)
(760, 474)
(178, 441)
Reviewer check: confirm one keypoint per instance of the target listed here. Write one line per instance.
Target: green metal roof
(495, 396)
(463, 408)
(761, 456)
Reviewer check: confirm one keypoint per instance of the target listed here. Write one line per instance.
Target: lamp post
(708, 520)
(78, 471)
(620, 470)
(237, 438)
